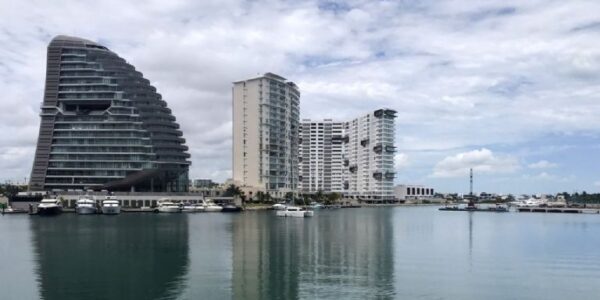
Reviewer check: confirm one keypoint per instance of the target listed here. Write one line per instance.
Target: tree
(319, 196)
(260, 195)
(268, 197)
(232, 190)
(10, 190)
(333, 198)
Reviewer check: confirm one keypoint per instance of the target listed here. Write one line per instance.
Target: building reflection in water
(110, 257)
(346, 253)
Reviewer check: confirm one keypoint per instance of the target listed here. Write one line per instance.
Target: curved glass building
(104, 126)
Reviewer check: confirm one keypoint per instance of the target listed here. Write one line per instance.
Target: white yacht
(49, 207)
(86, 206)
(111, 207)
(192, 208)
(210, 206)
(295, 211)
(166, 206)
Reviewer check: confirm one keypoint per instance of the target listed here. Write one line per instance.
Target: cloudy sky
(509, 89)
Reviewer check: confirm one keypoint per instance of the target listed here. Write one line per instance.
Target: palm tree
(232, 190)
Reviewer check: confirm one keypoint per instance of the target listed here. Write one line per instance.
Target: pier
(564, 210)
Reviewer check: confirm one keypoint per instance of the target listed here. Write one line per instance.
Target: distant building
(413, 192)
(203, 183)
(369, 157)
(321, 156)
(103, 126)
(487, 196)
(266, 113)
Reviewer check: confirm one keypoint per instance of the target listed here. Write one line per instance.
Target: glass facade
(104, 126)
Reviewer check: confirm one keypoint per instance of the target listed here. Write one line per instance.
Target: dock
(559, 210)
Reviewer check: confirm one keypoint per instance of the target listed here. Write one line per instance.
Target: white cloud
(545, 176)
(482, 161)
(542, 164)
(400, 161)
(462, 74)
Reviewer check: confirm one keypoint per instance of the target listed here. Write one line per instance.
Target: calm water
(382, 253)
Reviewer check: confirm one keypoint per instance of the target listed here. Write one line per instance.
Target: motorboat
(192, 208)
(210, 206)
(166, 206)
(295, 211)
(316, 205)
(86, 206)
(278, 206)
(111, 207)
(49, 207)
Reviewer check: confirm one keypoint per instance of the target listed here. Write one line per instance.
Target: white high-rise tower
(321, 156)
(265, 134)
(369, 156)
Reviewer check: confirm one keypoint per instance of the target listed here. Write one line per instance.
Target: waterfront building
(265, 134)
(103, 126)
(413, 192)
(369, 157)
(321, 156)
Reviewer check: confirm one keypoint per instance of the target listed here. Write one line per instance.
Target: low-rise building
(413, 192)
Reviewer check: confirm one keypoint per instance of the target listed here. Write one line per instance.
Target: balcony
(386, 113)
(353, 169)
(378, 148)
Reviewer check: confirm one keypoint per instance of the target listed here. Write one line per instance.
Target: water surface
(382, 253)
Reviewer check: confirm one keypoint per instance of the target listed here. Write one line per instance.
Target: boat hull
(295, 214)
(49, 211)
(111, 210)
(232, 209)
(192, 209)
(86, 210)
(213, 208)
(169, 209)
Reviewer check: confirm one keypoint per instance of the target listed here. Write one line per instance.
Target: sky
(508, 88)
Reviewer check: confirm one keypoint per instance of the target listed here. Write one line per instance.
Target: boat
(278, 206)
(191, 208)
(210, 206)
(316, 205)
(497, 208)
(111, 207)
(166, 206)
(49, 207)
(295, 211)
(86, 206)
(231, 208)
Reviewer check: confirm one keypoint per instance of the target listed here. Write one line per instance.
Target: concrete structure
(265, 134)
(369, 157)
(104, 126)
(321, 156)
(413, 192)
